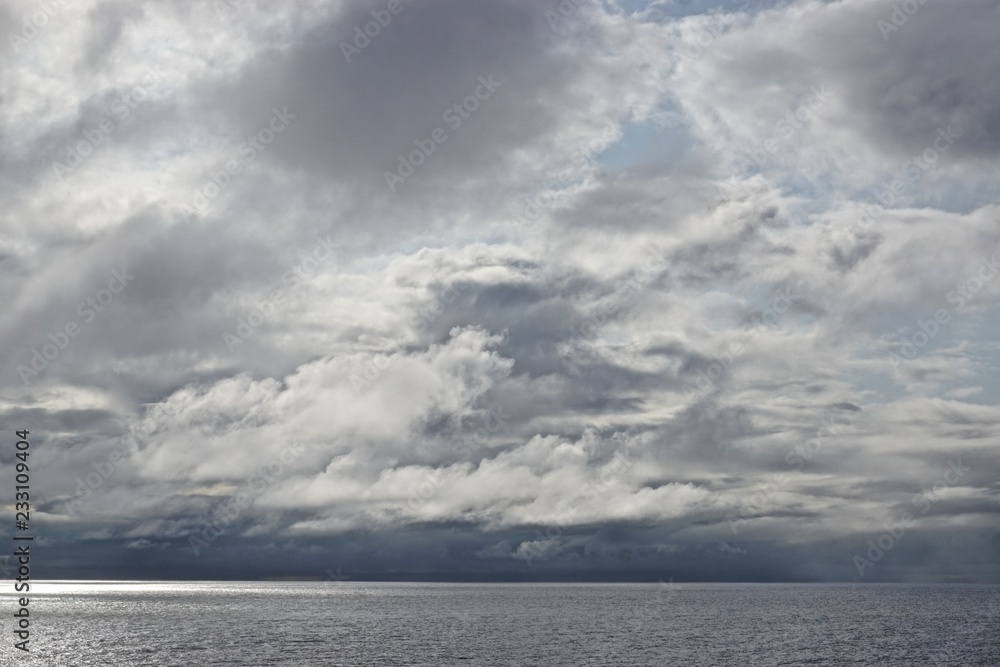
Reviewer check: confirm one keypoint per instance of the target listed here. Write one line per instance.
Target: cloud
(703, 294)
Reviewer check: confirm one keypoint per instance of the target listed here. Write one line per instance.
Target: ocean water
(353, 623)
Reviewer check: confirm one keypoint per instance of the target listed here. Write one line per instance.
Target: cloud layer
(505, 290)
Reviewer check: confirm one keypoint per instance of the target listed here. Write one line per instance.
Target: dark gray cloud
(638, 316)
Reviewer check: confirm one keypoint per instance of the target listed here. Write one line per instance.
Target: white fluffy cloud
(683, 278)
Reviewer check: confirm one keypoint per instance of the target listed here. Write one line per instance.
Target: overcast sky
(504, 289)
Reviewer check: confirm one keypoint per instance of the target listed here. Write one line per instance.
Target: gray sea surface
(354, 623)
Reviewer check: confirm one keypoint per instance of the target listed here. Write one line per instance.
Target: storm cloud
(504, 290)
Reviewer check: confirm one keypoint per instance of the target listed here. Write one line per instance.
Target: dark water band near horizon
(88, 623)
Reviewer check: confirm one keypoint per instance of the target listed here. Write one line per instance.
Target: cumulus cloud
(509, 289)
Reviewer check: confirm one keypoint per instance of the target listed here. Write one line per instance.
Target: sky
(506, 290)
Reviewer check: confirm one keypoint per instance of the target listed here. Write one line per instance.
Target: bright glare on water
(353, 623)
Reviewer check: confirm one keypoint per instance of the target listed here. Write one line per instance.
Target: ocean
(379, 624)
